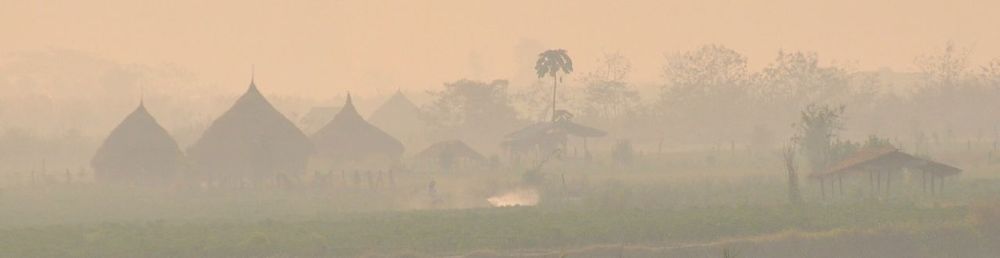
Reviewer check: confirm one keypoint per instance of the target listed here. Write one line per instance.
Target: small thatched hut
(546, 137)
(139, 150)
(882, 164)
(252, 140)
(449, 154)
(348, 141)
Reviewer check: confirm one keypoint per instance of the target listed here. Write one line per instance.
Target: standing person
(432, 188)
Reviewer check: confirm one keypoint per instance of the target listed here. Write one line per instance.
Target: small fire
(519, 197)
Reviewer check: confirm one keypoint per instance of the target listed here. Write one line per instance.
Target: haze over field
(330, 128)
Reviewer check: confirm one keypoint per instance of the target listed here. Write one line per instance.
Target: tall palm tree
(550, 63)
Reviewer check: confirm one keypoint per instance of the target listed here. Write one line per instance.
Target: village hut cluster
(253, 143)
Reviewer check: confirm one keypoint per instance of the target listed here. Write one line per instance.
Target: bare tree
(949, 68)
(990, 74)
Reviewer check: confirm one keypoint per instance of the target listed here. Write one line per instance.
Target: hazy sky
(322, 47)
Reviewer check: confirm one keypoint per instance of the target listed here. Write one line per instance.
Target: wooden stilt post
(932, 185)
(871, 181)
(942, 185)
(822, 187)
(840, 181)
(923, 182)
(888, 179)
(878, 183)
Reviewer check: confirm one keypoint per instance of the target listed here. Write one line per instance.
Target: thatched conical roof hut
(348, 140)
(252, 140)
(138, 150)
(399, 117)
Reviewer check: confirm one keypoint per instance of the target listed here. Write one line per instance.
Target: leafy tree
(817, 135)
(705, 93)
(606, 92)
(952, 94)
(949, 68)
(710, 70)
(874, 141)
(551, 63)
(472, 104)
(796, 78)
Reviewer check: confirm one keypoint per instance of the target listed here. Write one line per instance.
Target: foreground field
(678, 207)
(491, 232)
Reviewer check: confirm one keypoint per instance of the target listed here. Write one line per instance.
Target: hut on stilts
(881, 165)
(547, 137)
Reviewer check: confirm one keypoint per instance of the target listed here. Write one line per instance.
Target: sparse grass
(448, 231)
(678, 199)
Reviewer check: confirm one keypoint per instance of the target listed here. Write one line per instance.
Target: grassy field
(676, 206)
(443, 232)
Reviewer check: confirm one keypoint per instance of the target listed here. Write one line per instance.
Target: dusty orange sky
(323, 47)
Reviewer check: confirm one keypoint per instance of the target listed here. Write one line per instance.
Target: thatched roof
(398, 116)
(548, 134)
(139, 149)
(938, 168)
(348, 137)
(560, 127)
(317, 117)
(453, 149)
(886, 157)
(251, 140)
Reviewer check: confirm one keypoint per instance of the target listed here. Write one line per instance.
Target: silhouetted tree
(990, 74)
(797, 78)
(482, 110)
(950, 68)
(791, 171)
(606, 92)
(709, 70)
(705, 93)
(817, 134)
(550, 63)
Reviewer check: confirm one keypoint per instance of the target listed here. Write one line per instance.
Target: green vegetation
(451, 231)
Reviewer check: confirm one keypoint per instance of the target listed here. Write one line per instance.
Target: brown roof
(563, 127)
(940, 169)
(886, 157)
(453, 148)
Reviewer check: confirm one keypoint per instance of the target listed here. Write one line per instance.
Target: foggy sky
(327, 47)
